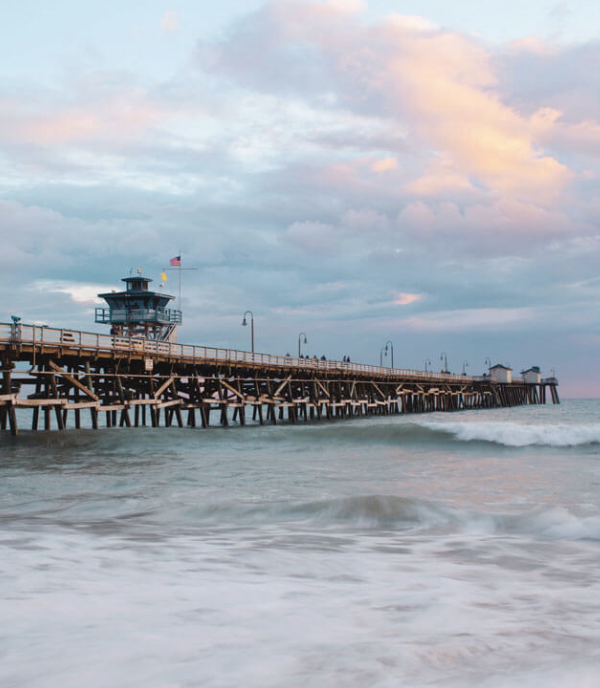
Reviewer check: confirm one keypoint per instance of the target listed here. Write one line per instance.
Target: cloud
(85, 294)
(169, 22)
(467, 320)
(441, 179)
(313, 237)
(384, 165)
(441, 85)
(347, 6)
(405, 299)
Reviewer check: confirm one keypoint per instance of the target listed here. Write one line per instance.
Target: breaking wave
(395, 513)
(336, 516)
(509, 434)
(379, 511)
(520, 435)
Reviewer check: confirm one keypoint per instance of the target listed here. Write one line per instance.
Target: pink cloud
(404, 298)
(441, 85)
(551, 129)
(384, 165)
(441, 178)
(114, 117)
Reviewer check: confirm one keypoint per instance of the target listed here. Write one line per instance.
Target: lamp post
(300, 342)
(381, 353)
(488, 363)
(392, 348)
(444, 358)
(465, 366)
(427, 363)
(244, 323)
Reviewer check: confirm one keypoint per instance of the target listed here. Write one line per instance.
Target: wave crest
(390, 512)
(520, 435)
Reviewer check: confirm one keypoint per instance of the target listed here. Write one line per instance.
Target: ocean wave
(519, 435)
(395, 513)
(387, 510)
(421, 432)
(372, 513)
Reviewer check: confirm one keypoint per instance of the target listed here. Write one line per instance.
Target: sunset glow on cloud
(405, 299)
(288, 146)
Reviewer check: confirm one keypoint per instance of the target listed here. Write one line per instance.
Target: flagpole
(179, 269)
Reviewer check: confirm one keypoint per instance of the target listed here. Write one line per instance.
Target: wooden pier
(121, 381)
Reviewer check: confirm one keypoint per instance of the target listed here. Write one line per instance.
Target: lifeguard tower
(139, 312)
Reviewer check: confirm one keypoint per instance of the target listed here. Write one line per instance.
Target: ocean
(451, 550)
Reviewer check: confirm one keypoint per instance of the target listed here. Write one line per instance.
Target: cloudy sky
(362, 171)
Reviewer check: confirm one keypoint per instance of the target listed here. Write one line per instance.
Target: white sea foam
(296, 608)
(513, 434)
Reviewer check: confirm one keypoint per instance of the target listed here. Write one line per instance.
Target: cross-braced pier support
(120, 393)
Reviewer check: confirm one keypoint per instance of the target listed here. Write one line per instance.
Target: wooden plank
(231, 389)
(27, 403)
(383, 396)
(324, 389)
(166, 404)
(282, 385)
(112, 407)
(164, 386)
(8, 397)
(73, 380)
(81, 405)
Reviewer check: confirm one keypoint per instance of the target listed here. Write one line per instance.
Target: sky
(421, 173)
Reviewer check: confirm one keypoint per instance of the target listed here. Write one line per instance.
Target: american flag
(176, 262)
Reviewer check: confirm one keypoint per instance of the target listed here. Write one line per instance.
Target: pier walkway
(135, 381)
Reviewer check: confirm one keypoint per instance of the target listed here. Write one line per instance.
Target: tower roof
(137, 278)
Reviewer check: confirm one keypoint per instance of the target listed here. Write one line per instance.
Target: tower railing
(165, 316)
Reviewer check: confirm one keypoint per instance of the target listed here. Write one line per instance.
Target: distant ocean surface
(450, 550)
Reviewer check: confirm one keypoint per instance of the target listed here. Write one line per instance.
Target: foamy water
(448, 549)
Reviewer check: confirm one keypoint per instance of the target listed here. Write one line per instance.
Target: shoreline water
(414, 551)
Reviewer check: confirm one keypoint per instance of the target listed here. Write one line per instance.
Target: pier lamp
(392, 351)
(245, 323)
(301, 341)
(465, 366)
(427, 363)
(16, 328)
(444, 358)
(382, 353)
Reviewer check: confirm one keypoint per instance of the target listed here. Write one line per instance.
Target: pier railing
(40, 337)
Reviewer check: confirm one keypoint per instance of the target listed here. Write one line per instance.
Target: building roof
(499, 365)
(533, 369)
(137, 278)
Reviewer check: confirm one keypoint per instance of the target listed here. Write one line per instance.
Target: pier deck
(131, 381)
